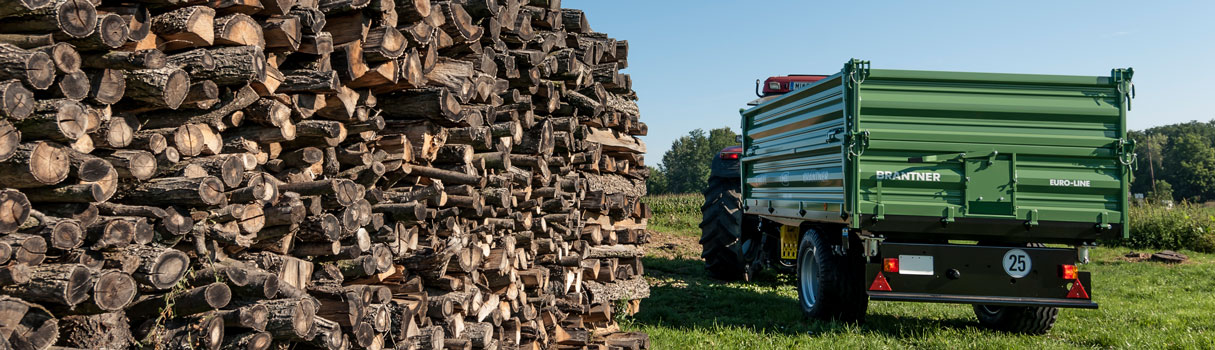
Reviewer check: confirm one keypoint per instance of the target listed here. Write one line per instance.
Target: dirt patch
(1167, 257)
(673, 247)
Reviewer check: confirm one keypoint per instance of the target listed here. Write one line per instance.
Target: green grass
(1144, 305)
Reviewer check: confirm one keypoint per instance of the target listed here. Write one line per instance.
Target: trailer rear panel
(983, 156)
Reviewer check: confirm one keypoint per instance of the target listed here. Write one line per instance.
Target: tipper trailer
(975, 188)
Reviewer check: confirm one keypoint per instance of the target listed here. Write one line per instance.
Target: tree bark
(59, 284)
(165, 87)
(283, 33)
(248, 341)
(101, 331)
(77, 19)
(107, 86)
(215, 116)
(291, 319)
(238, 29)
(234, 66)
(127, 60)
(202, 191)
(186, 27)
(111, 33)
(34, 165)
(33, 68)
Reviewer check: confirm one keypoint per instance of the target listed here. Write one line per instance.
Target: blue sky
(694, 63)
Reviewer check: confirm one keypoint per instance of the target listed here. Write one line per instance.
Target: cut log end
(49, 163)
(169, 268)
(77, 19)
(16, 101)
(66, 235)
(211, 191)
(114, 291)
(14, 210)
(177, 88)
(79, 285)
(113, 30)
(39, 71)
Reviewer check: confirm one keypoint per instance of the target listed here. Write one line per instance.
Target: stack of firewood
(333, 174)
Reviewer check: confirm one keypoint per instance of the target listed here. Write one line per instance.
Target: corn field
(675, 212)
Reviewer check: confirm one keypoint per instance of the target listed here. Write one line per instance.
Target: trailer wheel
(829, 286)
(721, 230)
(1017, 319)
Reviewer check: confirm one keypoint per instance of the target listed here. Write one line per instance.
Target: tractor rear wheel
(721, 230)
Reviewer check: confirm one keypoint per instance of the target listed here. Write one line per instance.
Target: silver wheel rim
(808, 278)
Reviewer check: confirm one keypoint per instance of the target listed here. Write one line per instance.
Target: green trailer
(976, 188)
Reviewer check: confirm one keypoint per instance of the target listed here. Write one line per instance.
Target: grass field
(1144, 305)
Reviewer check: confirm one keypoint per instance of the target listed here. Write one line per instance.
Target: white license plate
(798, 85)
(919, 265)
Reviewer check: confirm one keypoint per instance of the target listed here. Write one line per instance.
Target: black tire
(829, 286)
(1017, 319)
(721, 228)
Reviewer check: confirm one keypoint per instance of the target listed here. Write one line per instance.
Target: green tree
(687, 164)
(656, 183)
(1195, 167)
(1153, 148)
(1163, 192)
(1162, 150)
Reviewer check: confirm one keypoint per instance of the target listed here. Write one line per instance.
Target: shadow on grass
(687, 298)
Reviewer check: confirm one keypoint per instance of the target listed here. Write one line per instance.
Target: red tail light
(1068, 272)
(890, 265)
(730, 156)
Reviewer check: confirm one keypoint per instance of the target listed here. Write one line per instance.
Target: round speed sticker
(1017, 263)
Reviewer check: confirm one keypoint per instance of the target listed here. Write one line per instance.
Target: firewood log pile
(316, 174)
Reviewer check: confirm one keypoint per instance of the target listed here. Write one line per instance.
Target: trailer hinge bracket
(950, 214)
(858, 70)
(1033, 219)
(1126, 153)
(1103, 221)
(1126, 88)
(842, 249)
(872, 244)
(856, 143)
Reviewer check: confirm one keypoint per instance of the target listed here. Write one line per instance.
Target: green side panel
(1026, 149)
(793, 165)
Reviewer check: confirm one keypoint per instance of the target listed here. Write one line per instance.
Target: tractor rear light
(890, 265)
(1068, 272)
(730, 156)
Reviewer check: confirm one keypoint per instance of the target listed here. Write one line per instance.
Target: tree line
(1173, 162)
(685, 167)
(1176, 162)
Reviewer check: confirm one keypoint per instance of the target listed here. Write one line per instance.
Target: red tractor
(733, 245)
